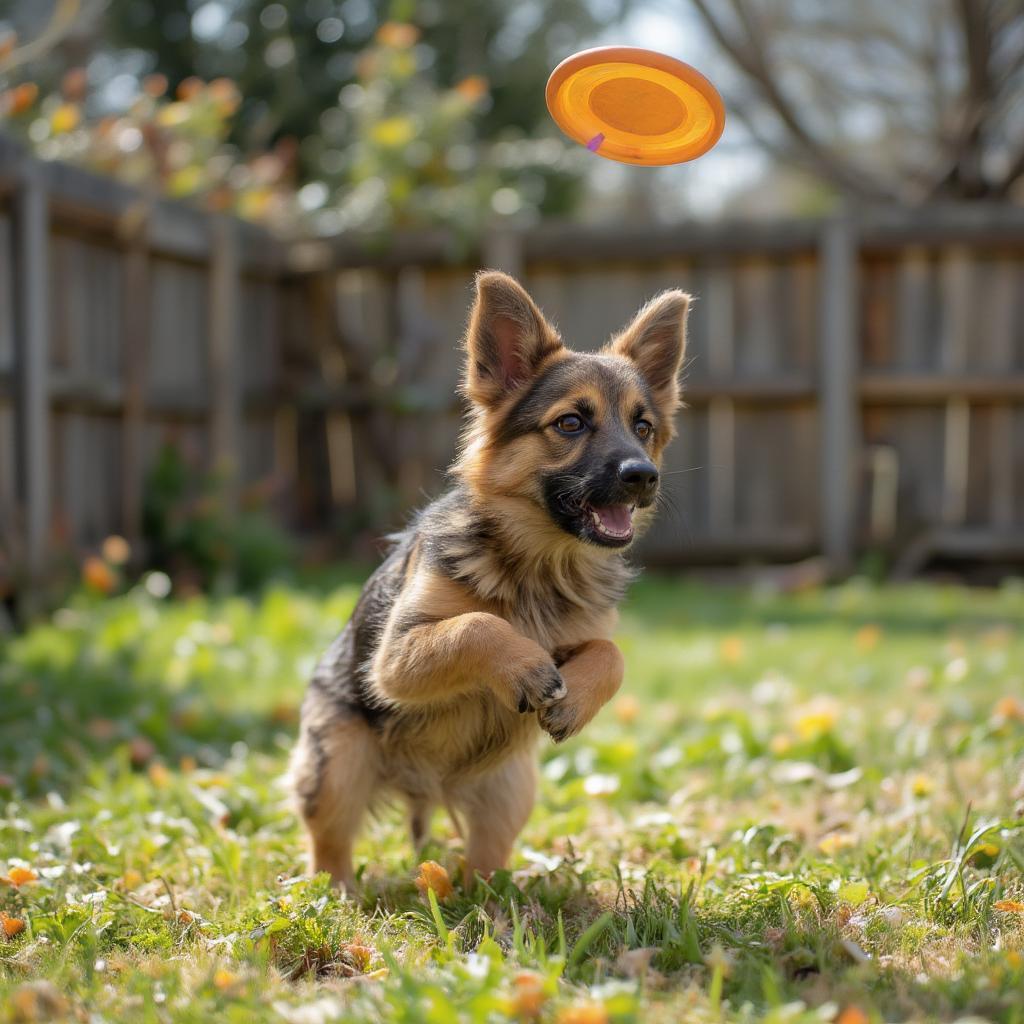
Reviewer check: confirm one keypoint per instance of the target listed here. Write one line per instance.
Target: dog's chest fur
(457, 561)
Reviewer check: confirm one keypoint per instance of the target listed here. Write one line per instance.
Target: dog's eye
(643, 429)
(571, 424)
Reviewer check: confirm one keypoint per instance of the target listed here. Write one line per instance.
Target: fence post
(134, 229)
(32, 367)
(225, 362)
(503, 250)
(839, 391)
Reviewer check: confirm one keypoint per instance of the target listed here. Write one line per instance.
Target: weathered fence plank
(839, 326)
(31, 217)
(849, 382)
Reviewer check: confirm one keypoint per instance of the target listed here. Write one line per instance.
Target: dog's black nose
(638, 474)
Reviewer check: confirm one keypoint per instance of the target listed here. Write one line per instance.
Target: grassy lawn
(801, 808)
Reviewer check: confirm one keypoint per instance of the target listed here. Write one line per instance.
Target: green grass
(801, 808)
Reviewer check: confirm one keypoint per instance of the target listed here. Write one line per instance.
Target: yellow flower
(780, 744)
(867, 637)
(433, 876)
(393, 132)
(836, 841)
(816, 719)
(731, 649)
(65, 118)
(921, 785)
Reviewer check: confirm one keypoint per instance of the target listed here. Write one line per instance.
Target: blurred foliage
(404, 141)
(191, 533)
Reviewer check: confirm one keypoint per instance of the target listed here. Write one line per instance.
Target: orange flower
(190, 88)
(21, 876)
(528, 997)
(11, 926)
(98, 576)
(398, 35)
(1010, 709)
(116, 550)
(472, 88)
(20, 98)
(7, 44)
(584, 1013)
(433, 876)
(75, 84)
(626, 709)
(852, 1015)
(224, 979)
(154, 85)
(1009, 906)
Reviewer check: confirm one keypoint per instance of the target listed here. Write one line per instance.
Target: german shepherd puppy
(491, 618)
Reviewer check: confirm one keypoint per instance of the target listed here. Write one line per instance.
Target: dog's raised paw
(559, 721)
(540, 687)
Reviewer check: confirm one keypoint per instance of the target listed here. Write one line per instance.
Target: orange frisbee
(634, 105)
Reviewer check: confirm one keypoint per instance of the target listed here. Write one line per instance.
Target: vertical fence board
(32, 338)
(839, 371)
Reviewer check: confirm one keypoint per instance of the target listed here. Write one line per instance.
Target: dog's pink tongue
(615, 518)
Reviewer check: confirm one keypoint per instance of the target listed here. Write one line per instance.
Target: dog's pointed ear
(656, 342)
(507, 339)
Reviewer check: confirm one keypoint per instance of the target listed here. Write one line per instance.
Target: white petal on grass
(600, 785)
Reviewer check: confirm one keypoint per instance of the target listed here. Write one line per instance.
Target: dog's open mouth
(612, 524)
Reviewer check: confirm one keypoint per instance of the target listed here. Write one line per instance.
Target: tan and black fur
(490, 620)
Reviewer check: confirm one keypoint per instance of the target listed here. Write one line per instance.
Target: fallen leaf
(38, 1000)
(1009, 906)
(361, 955)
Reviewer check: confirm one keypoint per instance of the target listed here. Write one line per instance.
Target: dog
(490, 619)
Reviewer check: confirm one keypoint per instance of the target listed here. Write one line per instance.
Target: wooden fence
(852, 383)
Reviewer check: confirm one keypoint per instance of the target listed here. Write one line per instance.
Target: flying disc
(635, 106)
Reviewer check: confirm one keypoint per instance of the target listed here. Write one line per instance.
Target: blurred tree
(885, 99)
(291, 57)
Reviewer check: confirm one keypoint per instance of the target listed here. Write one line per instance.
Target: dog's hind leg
(334, 774)
(420, 812)
(495, 807)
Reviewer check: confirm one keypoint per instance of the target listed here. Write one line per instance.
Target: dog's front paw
(562, 720)
(536, 686)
